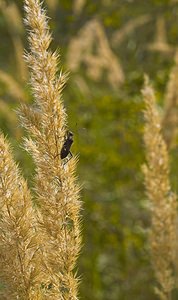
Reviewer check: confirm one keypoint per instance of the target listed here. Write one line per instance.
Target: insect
(67, 144)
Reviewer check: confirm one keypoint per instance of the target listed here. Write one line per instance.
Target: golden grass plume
(162, 199)
(56, 187)
(19, 244)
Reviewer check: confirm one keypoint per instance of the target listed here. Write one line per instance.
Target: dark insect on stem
(67, 144)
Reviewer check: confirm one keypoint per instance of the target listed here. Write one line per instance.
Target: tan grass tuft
(56, 188)
(19, 250)
(163, 201)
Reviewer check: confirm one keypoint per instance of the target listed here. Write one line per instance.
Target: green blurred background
(107, 45)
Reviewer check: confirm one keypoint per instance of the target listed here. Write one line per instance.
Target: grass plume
(56, 188)
(163, 200)
(19, 250)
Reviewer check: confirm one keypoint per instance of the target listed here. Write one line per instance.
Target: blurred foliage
(107, 122)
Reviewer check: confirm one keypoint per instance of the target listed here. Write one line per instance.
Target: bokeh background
(107, 46)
